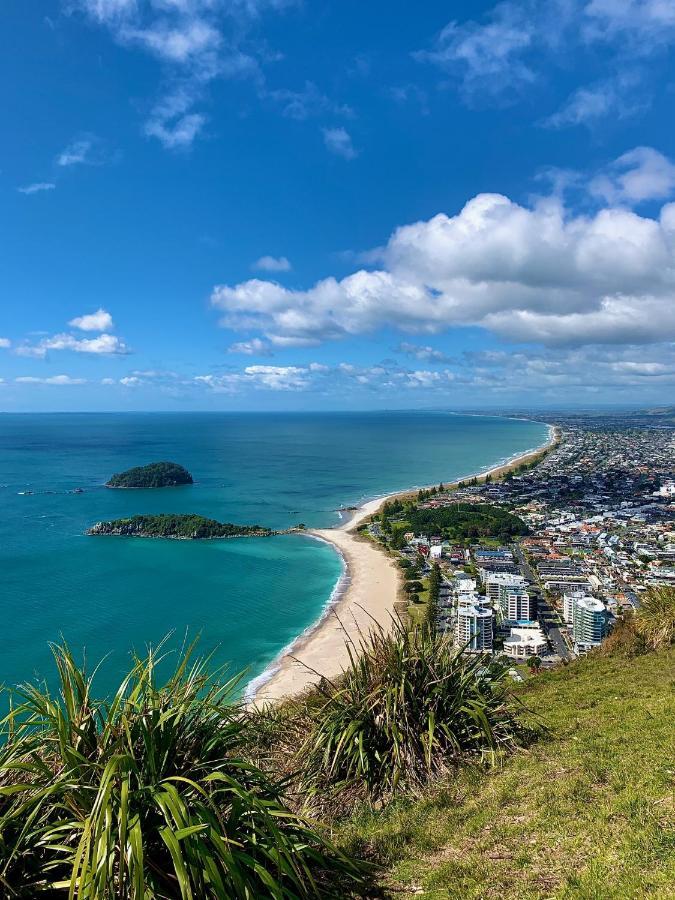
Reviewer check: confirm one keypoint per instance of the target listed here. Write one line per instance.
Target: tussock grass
(149, 795)
(407, 708)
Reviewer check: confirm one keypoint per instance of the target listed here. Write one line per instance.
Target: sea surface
(248, 598)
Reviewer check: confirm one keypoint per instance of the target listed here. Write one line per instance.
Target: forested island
(181, 527)
(154, 475)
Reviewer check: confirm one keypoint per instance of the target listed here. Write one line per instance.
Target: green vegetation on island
(154, 475)
(184, 527)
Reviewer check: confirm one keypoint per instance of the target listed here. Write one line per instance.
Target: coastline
(365, 594)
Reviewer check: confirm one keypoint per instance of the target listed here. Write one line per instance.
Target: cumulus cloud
(339, 141)
(37, 187)
(272, 264)
(5, 343)
(528, 273)
(52, 379)
(101, 320)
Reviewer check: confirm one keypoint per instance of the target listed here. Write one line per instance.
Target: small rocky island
(179, 527)
(154, 475)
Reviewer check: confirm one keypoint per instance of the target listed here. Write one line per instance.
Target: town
(592, 526)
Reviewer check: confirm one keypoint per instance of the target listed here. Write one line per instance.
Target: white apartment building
(516, 605)
(589, 623)
(525, 641)
(473, 628)
(494, 581)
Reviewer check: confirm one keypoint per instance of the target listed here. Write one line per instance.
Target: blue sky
(269, 204)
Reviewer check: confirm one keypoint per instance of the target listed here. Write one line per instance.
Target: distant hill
(154, 475)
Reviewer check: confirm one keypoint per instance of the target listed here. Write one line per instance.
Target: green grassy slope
(587, 812)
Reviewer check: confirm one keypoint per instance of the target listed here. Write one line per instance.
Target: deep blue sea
(248, 598)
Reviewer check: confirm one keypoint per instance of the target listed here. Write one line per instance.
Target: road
(548, 617)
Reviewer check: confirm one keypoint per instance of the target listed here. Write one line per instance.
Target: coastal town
(598, 517)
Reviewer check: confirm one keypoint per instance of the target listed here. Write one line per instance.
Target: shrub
(407, 707)
(655, 619)
(148, 795)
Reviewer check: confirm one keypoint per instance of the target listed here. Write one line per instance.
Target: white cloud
(272, 264)
(97, 321)
(590, 104)
(339, 141)
(643, 23)
(37, 188)
(104, 344)
(109, 11)
(309, 101)
(278, 378)
(254, 347)
(130, 381)
(5, 343)
(424, 353)
(488, 56)
(513, 46)
(172, 123)
(274, 378)
(196, 41)
(53, 379)
(529, 273)
(641, 174)
(76, 153)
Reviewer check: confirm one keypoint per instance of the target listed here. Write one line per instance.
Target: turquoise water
(247, 597)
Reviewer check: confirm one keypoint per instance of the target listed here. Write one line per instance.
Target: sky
(332, 204)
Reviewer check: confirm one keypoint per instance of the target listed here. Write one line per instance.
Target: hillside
(586, 812)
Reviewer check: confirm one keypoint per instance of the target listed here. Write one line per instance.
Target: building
(516, 604)
(590, 623)
(525, 641)
(473, 628)
(494, 581)
(569, 601)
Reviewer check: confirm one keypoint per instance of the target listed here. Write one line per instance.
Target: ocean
(247, 598)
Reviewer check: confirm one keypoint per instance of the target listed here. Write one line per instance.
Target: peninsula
(154, 475)
(178, 527)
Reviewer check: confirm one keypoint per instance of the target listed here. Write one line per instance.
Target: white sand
(370, 595)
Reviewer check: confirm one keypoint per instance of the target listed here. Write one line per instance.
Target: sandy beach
(370, 592)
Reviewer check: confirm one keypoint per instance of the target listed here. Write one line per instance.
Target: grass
(587, 812)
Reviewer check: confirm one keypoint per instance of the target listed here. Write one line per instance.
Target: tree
(534, 664)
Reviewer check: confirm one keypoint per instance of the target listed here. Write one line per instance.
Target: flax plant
(148, 795)
(408, 706)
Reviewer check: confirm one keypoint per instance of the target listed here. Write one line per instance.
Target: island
(154, 475)
(178, 527)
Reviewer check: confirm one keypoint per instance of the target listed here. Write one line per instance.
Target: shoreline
(365, 593)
